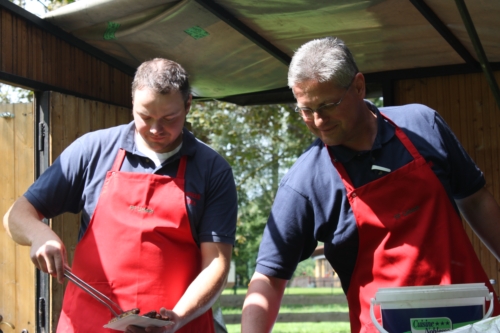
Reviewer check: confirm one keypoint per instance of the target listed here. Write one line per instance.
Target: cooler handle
(492, 305)
(374, 320)
(382, 330)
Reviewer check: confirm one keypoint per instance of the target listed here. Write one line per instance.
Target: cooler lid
(464, 290)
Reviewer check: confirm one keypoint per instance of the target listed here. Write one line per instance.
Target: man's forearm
(262, 304)
(483, 215)
(23, 222)
(206, 288)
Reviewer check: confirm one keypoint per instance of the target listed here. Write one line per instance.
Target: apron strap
(403, 138)
(182, 167)
(342, 171)
(117, 164)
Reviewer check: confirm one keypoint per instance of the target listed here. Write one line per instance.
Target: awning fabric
(384, 35)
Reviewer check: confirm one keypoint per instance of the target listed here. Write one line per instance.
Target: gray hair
(324, 60)
(162, 76)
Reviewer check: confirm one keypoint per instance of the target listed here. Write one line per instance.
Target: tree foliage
(10, 94)
(260, 143)
(47, 4)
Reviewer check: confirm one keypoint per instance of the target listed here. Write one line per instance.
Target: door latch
(7, 115)
(6, 323)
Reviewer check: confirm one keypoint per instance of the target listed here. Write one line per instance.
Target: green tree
(10, 94)
(305, 268)
(261, 143)
(47, 4)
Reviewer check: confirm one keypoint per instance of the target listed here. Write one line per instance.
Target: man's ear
(360, 85)
(188, 103)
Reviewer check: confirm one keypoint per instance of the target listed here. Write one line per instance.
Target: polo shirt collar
(385, 132)
(189, 142)
(128, 142)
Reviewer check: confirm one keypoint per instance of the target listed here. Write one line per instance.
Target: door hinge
(42, 129)
(41, 314)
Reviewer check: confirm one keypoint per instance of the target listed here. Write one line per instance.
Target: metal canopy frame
(476, 42)
(258, 40)
(443, 30)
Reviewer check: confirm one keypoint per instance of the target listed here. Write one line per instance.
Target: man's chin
(158, 147)
(330, 142)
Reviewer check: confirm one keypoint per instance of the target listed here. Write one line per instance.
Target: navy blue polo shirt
(73, 182)
(311, 203)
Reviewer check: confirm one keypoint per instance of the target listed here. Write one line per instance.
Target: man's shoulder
(311, 166)
(202, 153)
(120, 136)
(409, 115)
(99, 146)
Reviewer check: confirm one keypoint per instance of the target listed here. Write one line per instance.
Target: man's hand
(49, 254)
(201, 293)
(173, 318)
(482, 212)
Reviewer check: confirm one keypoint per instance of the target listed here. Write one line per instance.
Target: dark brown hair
(162, 76)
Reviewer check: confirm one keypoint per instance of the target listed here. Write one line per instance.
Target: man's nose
(319, 116)
(155, 127)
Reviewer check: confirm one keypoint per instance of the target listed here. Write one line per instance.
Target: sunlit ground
(306, 327)
(323, 327)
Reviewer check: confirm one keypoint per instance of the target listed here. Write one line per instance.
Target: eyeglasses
(308, 113)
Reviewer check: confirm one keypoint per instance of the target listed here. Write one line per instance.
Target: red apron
(409, 235)
(138, 250)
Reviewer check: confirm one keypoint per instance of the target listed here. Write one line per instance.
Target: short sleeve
(218, 223)
(465, 177)
(59, 189)
(288, 236)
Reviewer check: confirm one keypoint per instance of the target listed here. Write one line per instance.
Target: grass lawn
(293, 291)
(299, 309)
(324, 327)
(306, 327)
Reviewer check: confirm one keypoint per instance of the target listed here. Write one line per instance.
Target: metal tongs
(94, 293)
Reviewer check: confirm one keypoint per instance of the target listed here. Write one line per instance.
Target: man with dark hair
(382, 189)
(158, 213)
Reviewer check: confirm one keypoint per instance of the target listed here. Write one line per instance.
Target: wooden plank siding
(30, 52)
(468, 106)
(65, 127)
(17, 272)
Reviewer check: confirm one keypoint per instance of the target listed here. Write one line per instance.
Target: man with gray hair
(158, 215)
(380, 189)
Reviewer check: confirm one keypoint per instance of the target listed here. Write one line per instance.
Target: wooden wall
(468, 106)
(66, 127)
(30, 52)
(17, 272)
